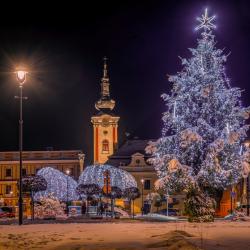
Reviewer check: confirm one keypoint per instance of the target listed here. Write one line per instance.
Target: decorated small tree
(115, 193)
(89, 190)
(199, 206)
(131, 194)
(33, 184)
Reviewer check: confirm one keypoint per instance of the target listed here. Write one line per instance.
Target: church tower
(105, 123)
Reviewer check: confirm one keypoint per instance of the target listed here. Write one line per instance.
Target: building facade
(131, 157)
(72, 160)
(105, 123)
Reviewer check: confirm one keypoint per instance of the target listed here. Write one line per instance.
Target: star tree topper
(205, 22)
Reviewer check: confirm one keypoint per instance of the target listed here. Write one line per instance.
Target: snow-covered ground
(127, 236)
(156, 217)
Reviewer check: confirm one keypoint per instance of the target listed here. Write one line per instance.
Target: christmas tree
(204, 124)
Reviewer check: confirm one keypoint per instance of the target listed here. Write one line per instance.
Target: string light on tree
(174, 115)
(228, 128)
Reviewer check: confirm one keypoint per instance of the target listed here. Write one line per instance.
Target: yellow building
(105, 123)
(32, 162)
(131, 157)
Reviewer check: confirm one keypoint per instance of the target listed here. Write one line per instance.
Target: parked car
(7, 212)
(171, 212)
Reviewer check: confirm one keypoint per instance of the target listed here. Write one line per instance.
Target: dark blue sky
(63, 46)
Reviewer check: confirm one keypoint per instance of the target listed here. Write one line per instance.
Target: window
(137, 161)
(105, 146)
(147, 185)
(8, 172)
(8, 189)
(24, 172)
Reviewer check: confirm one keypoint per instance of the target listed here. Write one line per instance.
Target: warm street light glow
(67, 171)
(21, 76)
(142, 181)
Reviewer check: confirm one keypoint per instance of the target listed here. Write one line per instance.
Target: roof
(129, 148)
(41, 155)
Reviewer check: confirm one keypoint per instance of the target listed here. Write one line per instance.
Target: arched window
(105, 146)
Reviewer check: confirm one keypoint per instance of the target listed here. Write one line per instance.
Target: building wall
(33, 161)
(105, 137)
(140, 170)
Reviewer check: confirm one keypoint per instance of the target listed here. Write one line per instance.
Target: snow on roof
(129, 148)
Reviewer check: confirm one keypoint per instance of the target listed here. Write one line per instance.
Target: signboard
(75, 210)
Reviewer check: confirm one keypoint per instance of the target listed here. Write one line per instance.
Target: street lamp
(142, 189)
(67, 172)
(21, 78)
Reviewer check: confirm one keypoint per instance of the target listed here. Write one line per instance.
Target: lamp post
(142, 189)
(67, 172)
(21, 78)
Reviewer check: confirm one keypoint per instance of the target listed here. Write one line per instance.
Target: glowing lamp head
(21, 76)
(142, 181)
(67, 171)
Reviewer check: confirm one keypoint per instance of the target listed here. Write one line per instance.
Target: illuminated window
(105, 146)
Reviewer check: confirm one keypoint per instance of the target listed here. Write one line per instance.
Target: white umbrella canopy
(94, 174)
(60, 185)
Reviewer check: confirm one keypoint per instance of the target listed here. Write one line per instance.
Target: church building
(131, 155)
(105, 122)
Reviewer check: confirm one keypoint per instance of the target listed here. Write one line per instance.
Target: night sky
(63, 46)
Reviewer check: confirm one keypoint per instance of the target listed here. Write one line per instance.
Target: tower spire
(105, 102)
(105, 67)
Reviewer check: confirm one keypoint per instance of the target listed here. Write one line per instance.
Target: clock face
(105, 122)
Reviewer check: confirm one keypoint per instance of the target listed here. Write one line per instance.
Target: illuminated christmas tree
(204, 124)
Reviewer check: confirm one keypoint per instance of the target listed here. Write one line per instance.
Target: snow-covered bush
(49, 207)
